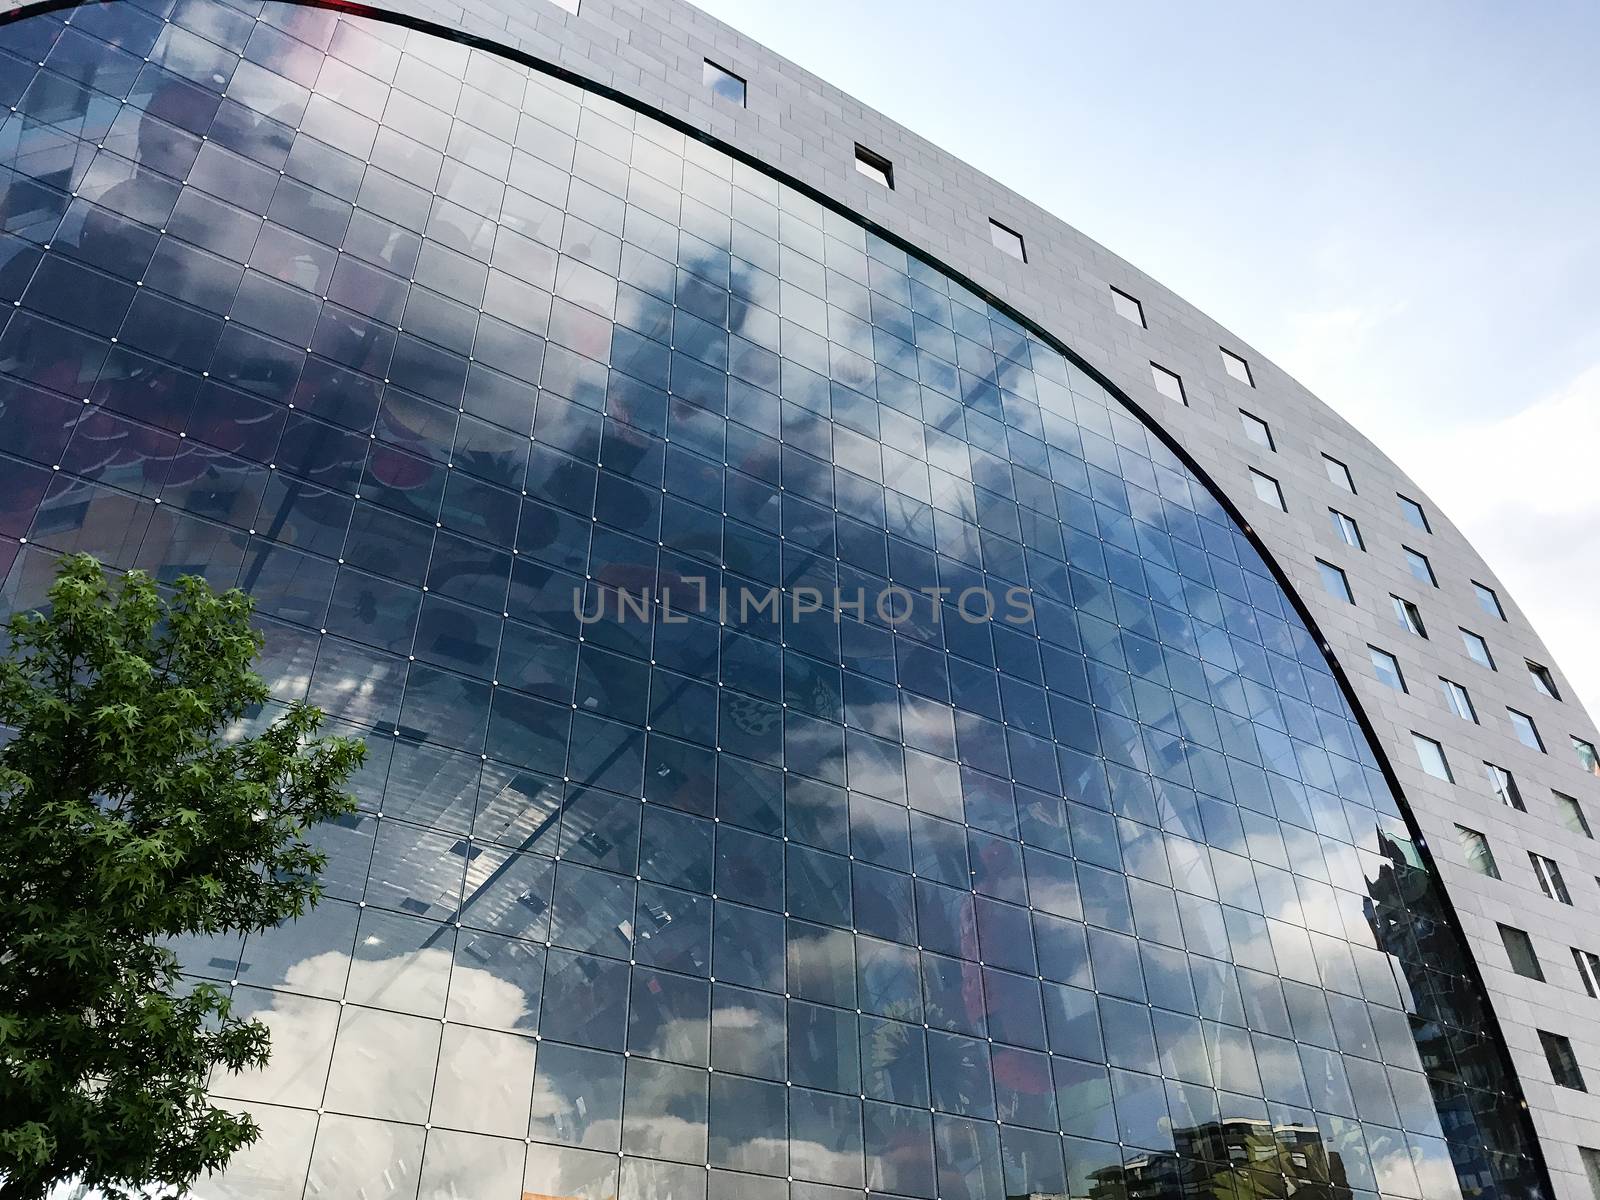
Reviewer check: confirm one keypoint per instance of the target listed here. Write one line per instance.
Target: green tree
(134, 809)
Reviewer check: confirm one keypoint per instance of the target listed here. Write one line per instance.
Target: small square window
(1257, 430)
(1431, 755)
(1409, 616)
(1519, 951)
(1527, 731)
(1563, 1062)
(1347, 529)
(1007, 240)
(1168, 383)
(723, 82)
(1572, 814)
(1504, 786)
(570, 6)
(1387, 668)
(1338, 473)
(1267, 489)
(1128, 307)
(1488, 601)
(1548, 873)
(1588, 971)
(1477, 649)
(1587, 758)
(1475, 847)
(1335, 581)
(1457, 700)
(1236, 366)
(1543, 682)
(874, 166)
(1421, 568)
(1413, 513)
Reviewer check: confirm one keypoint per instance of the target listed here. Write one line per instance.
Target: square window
(1128, 307)
(1520, 952)
(1475, 847)
(1335, 581)
(1587, 758)
(874, 166)
(1572, 814)
(1548, 873)
(1387, 668)
(570, 6)
(1457, 700)
(1504, 786)
(1347, 529)
(1236, 366)
(1409, 616)
(1338, 473)
(1168, 383)
(1563, 1062)
(1527, 731)
(1421, 568)
(1477, 649)
(1543, 682)
(1267, 489)
(1488, 601)
(1257, 430)
(1007, 240)
(1413, 513)
(723, 82)
(1431, 755)
(1589, 971)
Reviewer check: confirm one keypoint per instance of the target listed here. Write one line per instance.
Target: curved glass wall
(1022, 845)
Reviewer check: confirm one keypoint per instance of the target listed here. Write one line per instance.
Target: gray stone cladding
(799, 125)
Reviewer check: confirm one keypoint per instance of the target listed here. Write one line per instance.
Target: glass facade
(505, 401)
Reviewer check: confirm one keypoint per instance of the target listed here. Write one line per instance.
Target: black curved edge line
(1167, 439)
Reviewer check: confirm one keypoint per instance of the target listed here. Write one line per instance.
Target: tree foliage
(134, 810)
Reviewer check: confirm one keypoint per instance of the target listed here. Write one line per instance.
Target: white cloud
(1523, 489)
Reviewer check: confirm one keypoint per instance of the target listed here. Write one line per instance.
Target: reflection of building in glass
(434, 351)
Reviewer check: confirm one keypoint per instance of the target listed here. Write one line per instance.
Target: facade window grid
(1588, 965)
(1587, 757)
(1572, 814)
(1338, 473)
(1543, 681)
(1520, 953)
(1488, 600)
(1504, 786)
(1477, 649)
(1414, 513)
(723, 82)
(1421, 569)
(1335, 582)
(1458, 701)
(1347, 529)
(1548, 872)
(1409, 616)
(1007, 240)
(1257, 430)
(1387, 667)
(608, 685)
(874, 167)
(1267, 489)
(1237, 367)
(1475, 848)
(1168, 383)
(1527, 732)
(1563, 1062)
(1129, 307)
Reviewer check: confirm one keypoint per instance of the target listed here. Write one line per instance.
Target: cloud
(1523, 489)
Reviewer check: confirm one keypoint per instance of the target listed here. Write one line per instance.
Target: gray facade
(805, 130)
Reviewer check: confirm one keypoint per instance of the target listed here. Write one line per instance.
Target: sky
(1398, 204)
